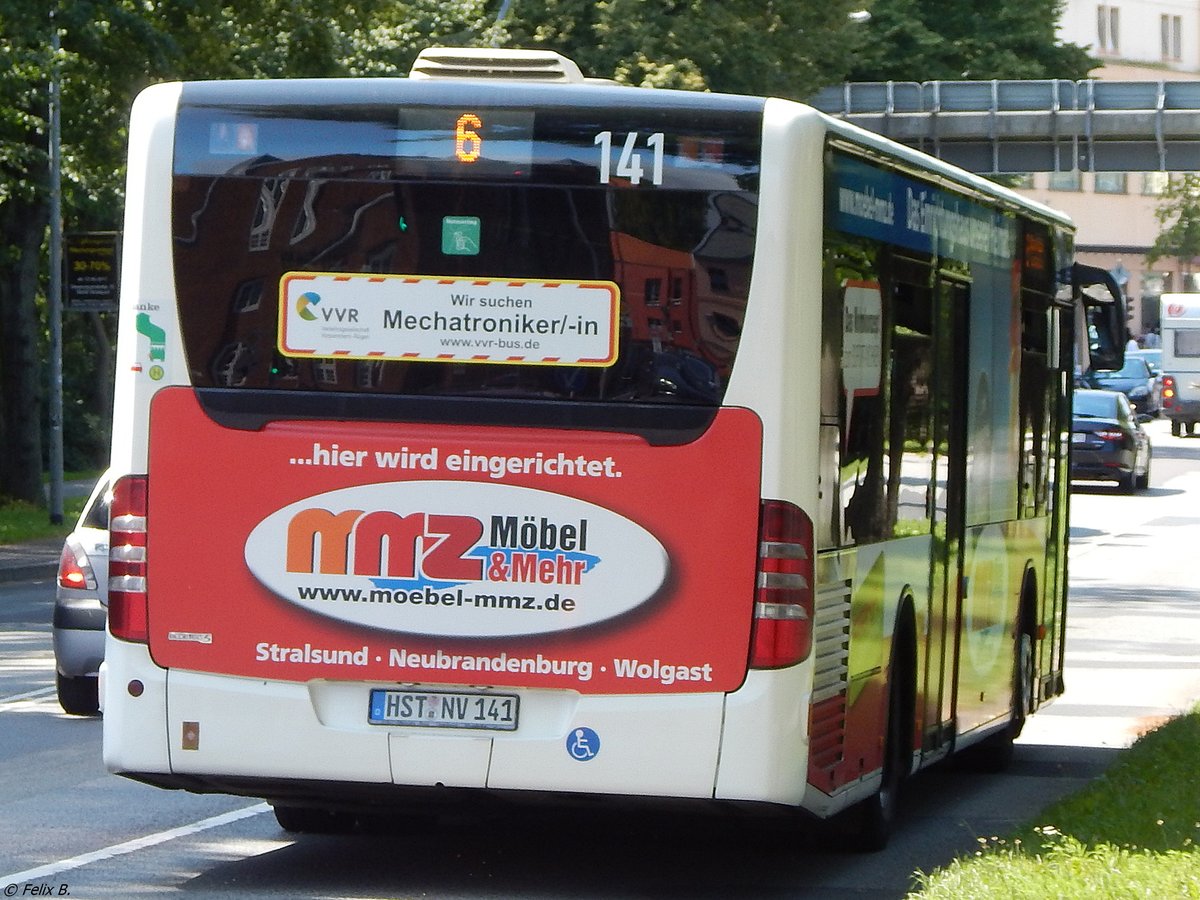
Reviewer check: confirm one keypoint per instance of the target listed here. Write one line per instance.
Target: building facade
(1136, 40)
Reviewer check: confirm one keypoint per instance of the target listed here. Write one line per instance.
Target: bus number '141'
(630, 164)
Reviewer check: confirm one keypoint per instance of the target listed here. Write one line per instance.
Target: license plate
(1078, 437)
(444, 709)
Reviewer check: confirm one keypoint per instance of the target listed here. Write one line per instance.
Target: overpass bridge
(998, 127)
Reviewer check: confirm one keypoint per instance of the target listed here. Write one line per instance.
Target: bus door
(949, 404)
(1053, 656)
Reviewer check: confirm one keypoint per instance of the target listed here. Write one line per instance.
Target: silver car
(80, 606)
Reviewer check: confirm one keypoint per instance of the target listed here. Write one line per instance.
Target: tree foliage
(1178, 216)
(110, 50)
(952, 40)
(785, 48)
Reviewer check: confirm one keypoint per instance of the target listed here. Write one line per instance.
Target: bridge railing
(1053, 125)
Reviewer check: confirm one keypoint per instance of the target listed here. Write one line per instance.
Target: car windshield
(96, 515)
(1135, 367)
(1094, 405)
(1153, 359)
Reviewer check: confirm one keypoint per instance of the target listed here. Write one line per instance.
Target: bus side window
(910, 411)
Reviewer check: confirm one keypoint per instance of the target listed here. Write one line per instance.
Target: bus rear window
(658, 208)
(1187, 343)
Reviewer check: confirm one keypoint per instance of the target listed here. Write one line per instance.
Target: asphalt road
(69, 829)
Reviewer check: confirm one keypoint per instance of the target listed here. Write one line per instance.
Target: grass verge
(20, 521)
(1134, 832)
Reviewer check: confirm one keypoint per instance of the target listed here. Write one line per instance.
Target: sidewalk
(31, 559)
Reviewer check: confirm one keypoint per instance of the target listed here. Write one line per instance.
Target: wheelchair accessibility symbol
(583, 744)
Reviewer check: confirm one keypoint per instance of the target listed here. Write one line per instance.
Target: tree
(107, 48)
(110, 49)
(951, 40)
(784, 48)
(1178, 216)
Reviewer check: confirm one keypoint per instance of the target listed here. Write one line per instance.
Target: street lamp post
(55, 285)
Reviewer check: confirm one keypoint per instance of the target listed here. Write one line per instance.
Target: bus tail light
(128, 613)
(1168, 391)
(783, 607)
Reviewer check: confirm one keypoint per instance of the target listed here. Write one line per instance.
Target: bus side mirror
(1101, 306)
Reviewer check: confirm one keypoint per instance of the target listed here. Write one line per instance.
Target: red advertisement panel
(452, 554)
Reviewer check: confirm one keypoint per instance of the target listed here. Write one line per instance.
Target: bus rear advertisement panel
(449, 554)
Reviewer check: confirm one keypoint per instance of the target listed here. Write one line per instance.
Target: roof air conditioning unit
(483, 62)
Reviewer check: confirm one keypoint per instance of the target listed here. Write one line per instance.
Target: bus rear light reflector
(128, 612)
(783, 608)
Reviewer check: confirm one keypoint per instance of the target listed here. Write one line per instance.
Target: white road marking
(28, 695)
(134, 845)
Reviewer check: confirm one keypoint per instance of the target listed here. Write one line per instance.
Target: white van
(1181, 360)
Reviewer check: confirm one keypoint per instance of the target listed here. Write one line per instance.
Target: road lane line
(28, 695)
(134, 845)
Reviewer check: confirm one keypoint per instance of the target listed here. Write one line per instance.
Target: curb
(28, 571)
(30, 560)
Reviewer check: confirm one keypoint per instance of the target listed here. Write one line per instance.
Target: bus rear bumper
(310, 740)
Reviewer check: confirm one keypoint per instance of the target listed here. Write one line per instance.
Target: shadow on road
(596, 851)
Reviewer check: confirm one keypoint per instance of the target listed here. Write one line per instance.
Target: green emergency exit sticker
(460, 236)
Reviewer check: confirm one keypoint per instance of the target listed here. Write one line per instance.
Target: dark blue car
(1134, 379)
(1108, 442)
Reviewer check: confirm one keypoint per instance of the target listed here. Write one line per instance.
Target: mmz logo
(439, 548)
(449, 558)
(433, 545)
(310, 300)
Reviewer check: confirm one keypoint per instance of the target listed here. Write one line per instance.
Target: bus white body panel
(775, 703)
(318, 732)
(291, 740)
(147, 283)
(135, 739)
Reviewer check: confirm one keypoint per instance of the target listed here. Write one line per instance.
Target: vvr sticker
(456, 559)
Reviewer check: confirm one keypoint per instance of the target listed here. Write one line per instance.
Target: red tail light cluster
(1168, 391)
(783, 608)
(128, 615)
(74, 571)
(1109, 435)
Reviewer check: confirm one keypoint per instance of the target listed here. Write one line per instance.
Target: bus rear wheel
(995, 754)
(874, 818)
(868, 825)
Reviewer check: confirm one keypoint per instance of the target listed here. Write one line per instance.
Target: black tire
(1176, 428)
(1125, 483)
(876, 816)
(312, 820)
(868, 825)
(1142, 482)
(78, 696)
(1024, 683)
(1189, 427)
(995, 754)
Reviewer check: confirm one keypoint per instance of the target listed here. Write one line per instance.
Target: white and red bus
(498, 435)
